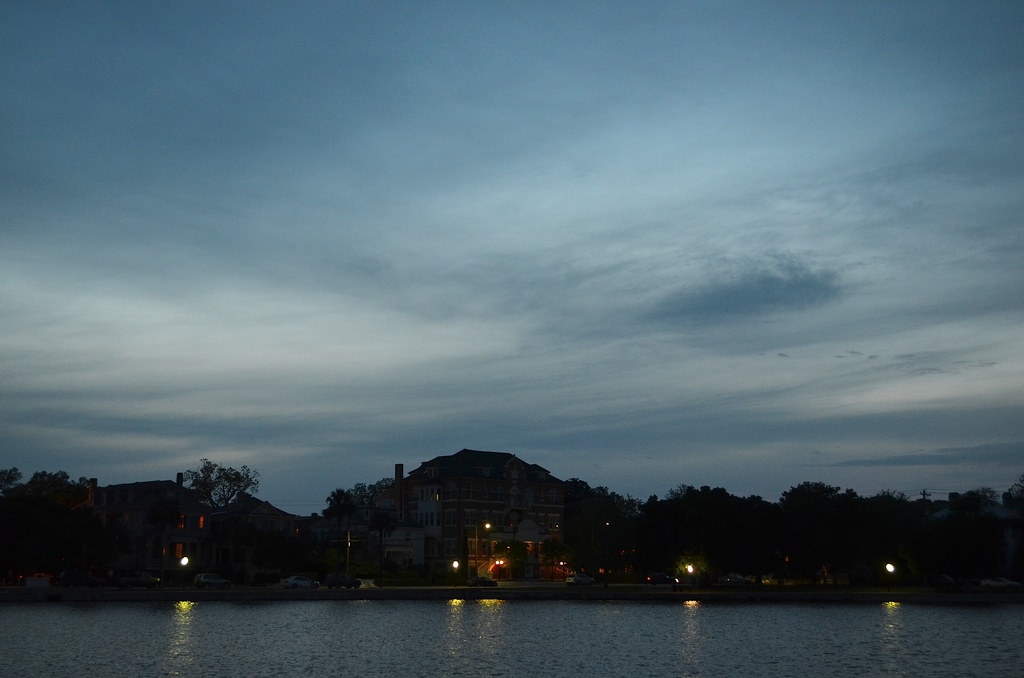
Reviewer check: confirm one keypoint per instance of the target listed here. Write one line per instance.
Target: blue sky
(740, 244)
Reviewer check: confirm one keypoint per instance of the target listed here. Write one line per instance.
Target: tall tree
(9, 479)
(1016, 490)
(341, 506)
(366, 494)
(218, 485)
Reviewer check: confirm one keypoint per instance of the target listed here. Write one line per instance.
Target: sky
(737, 244)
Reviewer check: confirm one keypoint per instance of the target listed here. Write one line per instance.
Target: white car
(579, 580)
(209, 580)
(300, 582)
(1000, 583)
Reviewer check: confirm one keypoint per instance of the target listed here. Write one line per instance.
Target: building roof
(480, 464)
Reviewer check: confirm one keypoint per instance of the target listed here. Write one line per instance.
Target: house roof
(248, 505)
(481, 464)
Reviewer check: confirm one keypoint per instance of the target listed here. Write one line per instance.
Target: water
(507, 638)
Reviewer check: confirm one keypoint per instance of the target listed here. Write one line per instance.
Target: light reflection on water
(182, 638)
(502, 638)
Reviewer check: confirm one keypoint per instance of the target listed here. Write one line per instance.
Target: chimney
(180, 479)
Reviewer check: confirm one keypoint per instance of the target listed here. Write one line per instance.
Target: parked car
(734, 579)
(659, 578)
(300, 581)
(579, 579)
(144, 580)
(482, 581)
(1000, 583)
(339, 580)
(209, 580)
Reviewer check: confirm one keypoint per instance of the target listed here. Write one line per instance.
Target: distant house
(162, 520)
(243, 528)
(454, 498)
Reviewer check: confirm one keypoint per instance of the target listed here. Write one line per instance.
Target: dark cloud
(994, 454)
(785, 285)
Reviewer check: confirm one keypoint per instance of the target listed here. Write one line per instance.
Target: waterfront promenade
(519, 591)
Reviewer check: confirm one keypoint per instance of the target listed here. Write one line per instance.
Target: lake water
(508, 638)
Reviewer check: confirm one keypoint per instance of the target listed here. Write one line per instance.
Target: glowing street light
(891, 569)
(476, 544)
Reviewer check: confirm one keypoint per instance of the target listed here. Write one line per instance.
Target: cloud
(991, 454)
(784, 284)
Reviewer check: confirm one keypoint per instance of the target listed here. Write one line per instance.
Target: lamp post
(891, 569)
(689, 577)
(476, 543)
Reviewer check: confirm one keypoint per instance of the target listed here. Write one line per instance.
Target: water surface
(508, 638)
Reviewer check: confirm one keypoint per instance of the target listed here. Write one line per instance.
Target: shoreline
(14, 595)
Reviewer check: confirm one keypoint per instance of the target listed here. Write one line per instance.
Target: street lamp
(891, 569)
(476, 544)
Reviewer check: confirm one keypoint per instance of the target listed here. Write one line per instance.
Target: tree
(9, 479)
(218, 486)
(1016, 490)
(57, 486)
(552, 554)
(516, 554)
(366, 495)
(340, 505)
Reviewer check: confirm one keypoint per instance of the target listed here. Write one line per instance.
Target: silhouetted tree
(1016, 490)
(365, 495)
(218, 486)
(9, 479)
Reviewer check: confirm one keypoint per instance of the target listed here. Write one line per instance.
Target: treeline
(815, 532)
(42, 530)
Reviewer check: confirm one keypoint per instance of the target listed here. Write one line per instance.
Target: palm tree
(340, 504)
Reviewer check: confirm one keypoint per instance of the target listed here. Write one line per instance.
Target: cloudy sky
(742, 244)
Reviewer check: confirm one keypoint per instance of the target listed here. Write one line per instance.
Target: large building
(469, 502)
(162, 520)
